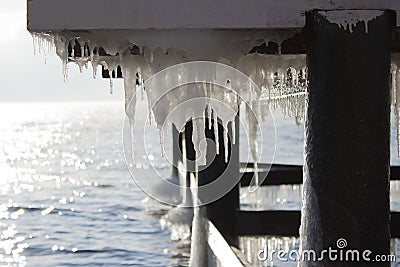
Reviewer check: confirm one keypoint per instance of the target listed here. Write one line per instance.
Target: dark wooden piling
(346, 172)
(188, 159)
(223, 211)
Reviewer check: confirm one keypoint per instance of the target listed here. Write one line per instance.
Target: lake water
(67, 198)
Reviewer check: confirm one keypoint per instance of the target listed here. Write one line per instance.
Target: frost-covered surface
(277, 81)
(350, 18)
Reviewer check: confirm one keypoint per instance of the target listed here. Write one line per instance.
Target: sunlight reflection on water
(65, 193)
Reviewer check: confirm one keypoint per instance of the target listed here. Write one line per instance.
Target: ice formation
(350, 18)
(181, 90)
(43, 44)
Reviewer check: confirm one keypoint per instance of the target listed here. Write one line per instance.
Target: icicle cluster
(276, 81)
(43, 44)
(349, 19)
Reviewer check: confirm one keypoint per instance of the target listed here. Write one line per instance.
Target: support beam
(189, 157)
(222, 212)
(198, 246)
(346, 172)
(277, 175)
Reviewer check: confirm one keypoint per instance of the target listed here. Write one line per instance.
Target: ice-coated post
(346, 170)
(198, 246)
(189, 157)
(222, 212)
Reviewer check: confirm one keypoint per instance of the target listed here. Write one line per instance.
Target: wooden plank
(221, 248)
(277, 175)
(276, 223)
(394, 173)
(395, 225)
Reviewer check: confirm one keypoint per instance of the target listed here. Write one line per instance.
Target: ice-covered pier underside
(342, 57)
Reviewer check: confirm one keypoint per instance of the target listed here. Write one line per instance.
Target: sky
(24, 77)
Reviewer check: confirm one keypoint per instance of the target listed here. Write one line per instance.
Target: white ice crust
(276, 81)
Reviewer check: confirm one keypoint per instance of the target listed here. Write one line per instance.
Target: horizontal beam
(285, 223)
(395, 225)
(280, 174)
(277, 175)
(275, 223)
(46, 15)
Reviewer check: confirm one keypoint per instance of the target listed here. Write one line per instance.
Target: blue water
(67, 198)
(68, 159)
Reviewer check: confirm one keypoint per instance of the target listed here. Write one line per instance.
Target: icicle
(130, 107)
(94, 71)
(111, 83)
(80, 68)
(111, 64)
(65, 71)
(216, 137)
(95, 60)
(131, 124)
(225, 129)
(204, 121)
(150, 118)
(233, 128)
(252, 128)
(34, 40)
(45, 56)
(256, 177)
(295, 77)
(209, 113)
(351, 18)
(61, 45)
(161, 132)
(250, 88)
